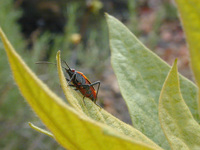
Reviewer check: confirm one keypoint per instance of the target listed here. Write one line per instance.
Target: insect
(80, 82)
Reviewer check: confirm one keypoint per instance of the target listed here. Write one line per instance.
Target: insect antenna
(46, 62)
(66, 64)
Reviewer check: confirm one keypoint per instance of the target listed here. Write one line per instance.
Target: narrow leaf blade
(40, 130)
(190, 17)
(180, 128)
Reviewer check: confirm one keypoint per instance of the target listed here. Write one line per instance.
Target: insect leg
(88, 85)
(99, 83)
(73, 76)
(68, 83)
(84, 100)
(92, 84)
(87, 88)
(72, 85)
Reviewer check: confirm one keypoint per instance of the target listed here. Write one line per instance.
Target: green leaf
(140, 75)
(95, 112)
(180, 128)
(71, 128)
(190, 17)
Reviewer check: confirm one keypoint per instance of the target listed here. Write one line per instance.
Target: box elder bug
(80, 82)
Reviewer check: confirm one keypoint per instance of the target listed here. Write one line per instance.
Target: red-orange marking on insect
(80, 82)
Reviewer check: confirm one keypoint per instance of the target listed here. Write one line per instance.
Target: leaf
(180, 128)
(190, 17)
(140, 75)
(73, 130)
(40, 130)
(93, 111)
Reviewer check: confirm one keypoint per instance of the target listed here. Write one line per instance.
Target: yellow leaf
(177, 122)
(40, 130)
(71, 128)
(190, 17)
(95, 112)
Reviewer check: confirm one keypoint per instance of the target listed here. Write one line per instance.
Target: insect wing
(87, 81)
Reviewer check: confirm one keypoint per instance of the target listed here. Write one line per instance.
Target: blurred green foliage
(90, 54)
(14, 130)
